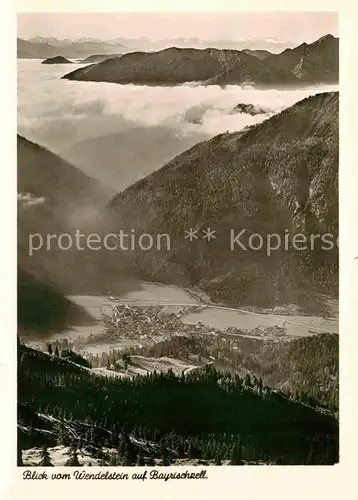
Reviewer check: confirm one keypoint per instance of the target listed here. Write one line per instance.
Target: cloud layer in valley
(47, 104)
(119, 133)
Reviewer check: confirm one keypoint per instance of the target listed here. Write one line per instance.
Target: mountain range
(303, 65)
(146, 44)
(45, 48)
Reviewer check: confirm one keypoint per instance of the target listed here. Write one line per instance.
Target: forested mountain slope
(278, 177)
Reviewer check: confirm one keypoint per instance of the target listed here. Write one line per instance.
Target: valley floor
(173, 299)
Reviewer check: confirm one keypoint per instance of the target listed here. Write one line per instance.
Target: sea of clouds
(59, 113)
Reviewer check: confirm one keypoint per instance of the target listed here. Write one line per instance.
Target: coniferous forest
(209, 415)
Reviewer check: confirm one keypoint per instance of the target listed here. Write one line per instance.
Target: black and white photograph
(177, 240)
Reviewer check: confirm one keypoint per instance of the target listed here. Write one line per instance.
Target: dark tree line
(305, 369)
(203, 414)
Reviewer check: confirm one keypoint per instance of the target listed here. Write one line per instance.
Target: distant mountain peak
(324, 39)
(56, 60)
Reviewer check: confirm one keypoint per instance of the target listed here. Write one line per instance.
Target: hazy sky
(293, 27)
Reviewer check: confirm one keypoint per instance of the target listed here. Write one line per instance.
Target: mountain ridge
(36, 49)
(58, 198)
(211, 66)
